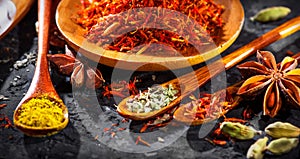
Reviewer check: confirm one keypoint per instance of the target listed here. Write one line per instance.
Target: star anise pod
(278, 81)
(80, 73)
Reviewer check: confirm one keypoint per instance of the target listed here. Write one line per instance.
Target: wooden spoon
(41, 84)
(14, 11)
(204, 74)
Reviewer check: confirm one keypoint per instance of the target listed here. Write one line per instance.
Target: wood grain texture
(73, 33)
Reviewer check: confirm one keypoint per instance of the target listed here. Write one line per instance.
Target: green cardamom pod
(238, 130)
(271, 14)
(256, 150)
(282, 145)
(281, 129)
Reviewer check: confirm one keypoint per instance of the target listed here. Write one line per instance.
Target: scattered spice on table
(125, 120)
(289, 53)
(283, 136)
(284, 139)
(121, 129)
(106, 129)
(154, 98)
(114, 128)
(217, 137)
(26, 59)
(5, 122)
(271, 14)
(140, 140)
(3, 105)
(238, 131)
(256, 150)
(121, 89)
(282, 129)
(282, 145)
(81, 73)
(2, 97)
(274, 78)
(112, 134)
(41, 112)
(105, 23)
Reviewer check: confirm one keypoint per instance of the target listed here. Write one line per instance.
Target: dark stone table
(84, 136)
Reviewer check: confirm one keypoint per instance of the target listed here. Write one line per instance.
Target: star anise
(277, 79)
(80, 73)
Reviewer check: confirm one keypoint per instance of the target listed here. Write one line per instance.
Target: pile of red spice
(128, 26)
(208, 106)
(5, 122)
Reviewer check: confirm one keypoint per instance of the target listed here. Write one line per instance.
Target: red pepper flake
(144, 128)
(236, 120)
(109, 93)
(106, 129)
(139, 139)
(7, 122)
(92, 17)
(120, 89)
(121, 129)
(248, 113)
(112, 134)
(289, 53)
(218, 138)
(2, 105)
(217, 142)
(115, 124)
(125, 120)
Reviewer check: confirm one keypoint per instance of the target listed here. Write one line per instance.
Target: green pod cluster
(282, 145)
(271, 14)
(256, 150)
(282, 129)
(238, 130)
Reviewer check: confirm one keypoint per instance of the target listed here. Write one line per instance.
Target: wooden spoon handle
(41, 75)
(204, 74)
(278, 33)
(44, 14)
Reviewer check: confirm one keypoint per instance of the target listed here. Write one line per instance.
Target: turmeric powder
(41, 112)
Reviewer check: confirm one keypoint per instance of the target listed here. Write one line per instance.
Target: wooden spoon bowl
(122, 108)
(41, 85)
(179, 113)
(202, 75)
(233, 17)
(41, 131)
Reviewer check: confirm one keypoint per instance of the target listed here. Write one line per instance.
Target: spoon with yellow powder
(41, 112)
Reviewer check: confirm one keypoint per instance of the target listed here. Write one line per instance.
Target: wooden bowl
(233, 17)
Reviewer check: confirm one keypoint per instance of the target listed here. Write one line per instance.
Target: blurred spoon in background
(12, 11)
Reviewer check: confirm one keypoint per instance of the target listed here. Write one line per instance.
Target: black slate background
(77, 140)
